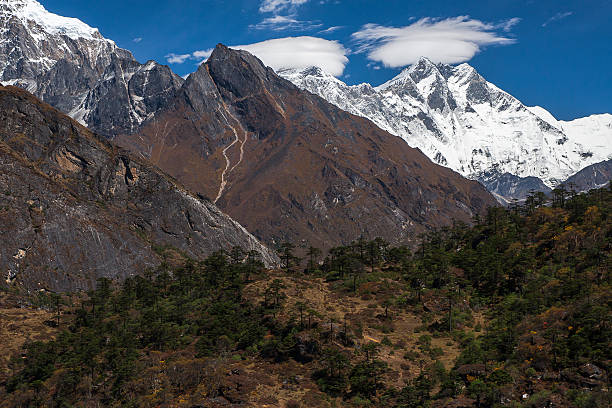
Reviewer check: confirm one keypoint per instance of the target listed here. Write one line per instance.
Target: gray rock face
(127, 94)
(597, 175)
(65, 84)
(72, 67)
(507, 187)
(74, 207)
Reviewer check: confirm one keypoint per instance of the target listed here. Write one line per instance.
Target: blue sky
(556, 54)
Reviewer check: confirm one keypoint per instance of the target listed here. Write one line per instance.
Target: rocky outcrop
(508, 188)
(74, 207)
(126, 95)
(597, 175)
(290, 166)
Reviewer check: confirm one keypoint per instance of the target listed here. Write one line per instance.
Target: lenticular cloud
(300, 52)
(449, 41)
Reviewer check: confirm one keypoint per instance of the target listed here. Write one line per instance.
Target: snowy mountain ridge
(464, 122)
(33, 40)
(594, 131)
(71, 66)
(41, 21)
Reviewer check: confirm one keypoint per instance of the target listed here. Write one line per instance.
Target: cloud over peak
(300, 52)
(451, 41)
(285, 53)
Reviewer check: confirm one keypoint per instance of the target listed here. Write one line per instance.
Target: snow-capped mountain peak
(423, 70)
(69, 65)
(462, 121)
(39, 20)
(33, 40)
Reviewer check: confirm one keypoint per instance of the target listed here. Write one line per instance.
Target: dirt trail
(228, 162)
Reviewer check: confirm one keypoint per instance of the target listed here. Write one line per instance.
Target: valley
(257, 232)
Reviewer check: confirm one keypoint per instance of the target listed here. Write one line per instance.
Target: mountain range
(290, 166)
(248, 237)
(460, 120)
(451, 113)
(285, 164)
(296, 156)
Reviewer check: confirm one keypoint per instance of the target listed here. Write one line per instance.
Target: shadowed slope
(74, 207)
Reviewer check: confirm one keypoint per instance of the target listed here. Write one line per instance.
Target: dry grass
(19, 325)
(261, 383)
(400, 328)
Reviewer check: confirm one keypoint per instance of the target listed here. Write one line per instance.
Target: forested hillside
(514, 311)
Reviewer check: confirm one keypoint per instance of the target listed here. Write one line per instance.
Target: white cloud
(331, 29)
(173, 58)
(300, 52)
(283, 53)
(450, 41)
(284, 16)
(137, 39)
(509, 24)
(275, 6)
(201, 55)
(279, 23)
(557, 17)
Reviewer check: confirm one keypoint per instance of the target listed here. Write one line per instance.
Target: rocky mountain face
(597, 175)
(508, 188)
(127, 94)
(290, 166)
(74, 207)
(461, 121)
(72, 67)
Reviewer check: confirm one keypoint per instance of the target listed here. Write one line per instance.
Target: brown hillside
(298, 168)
